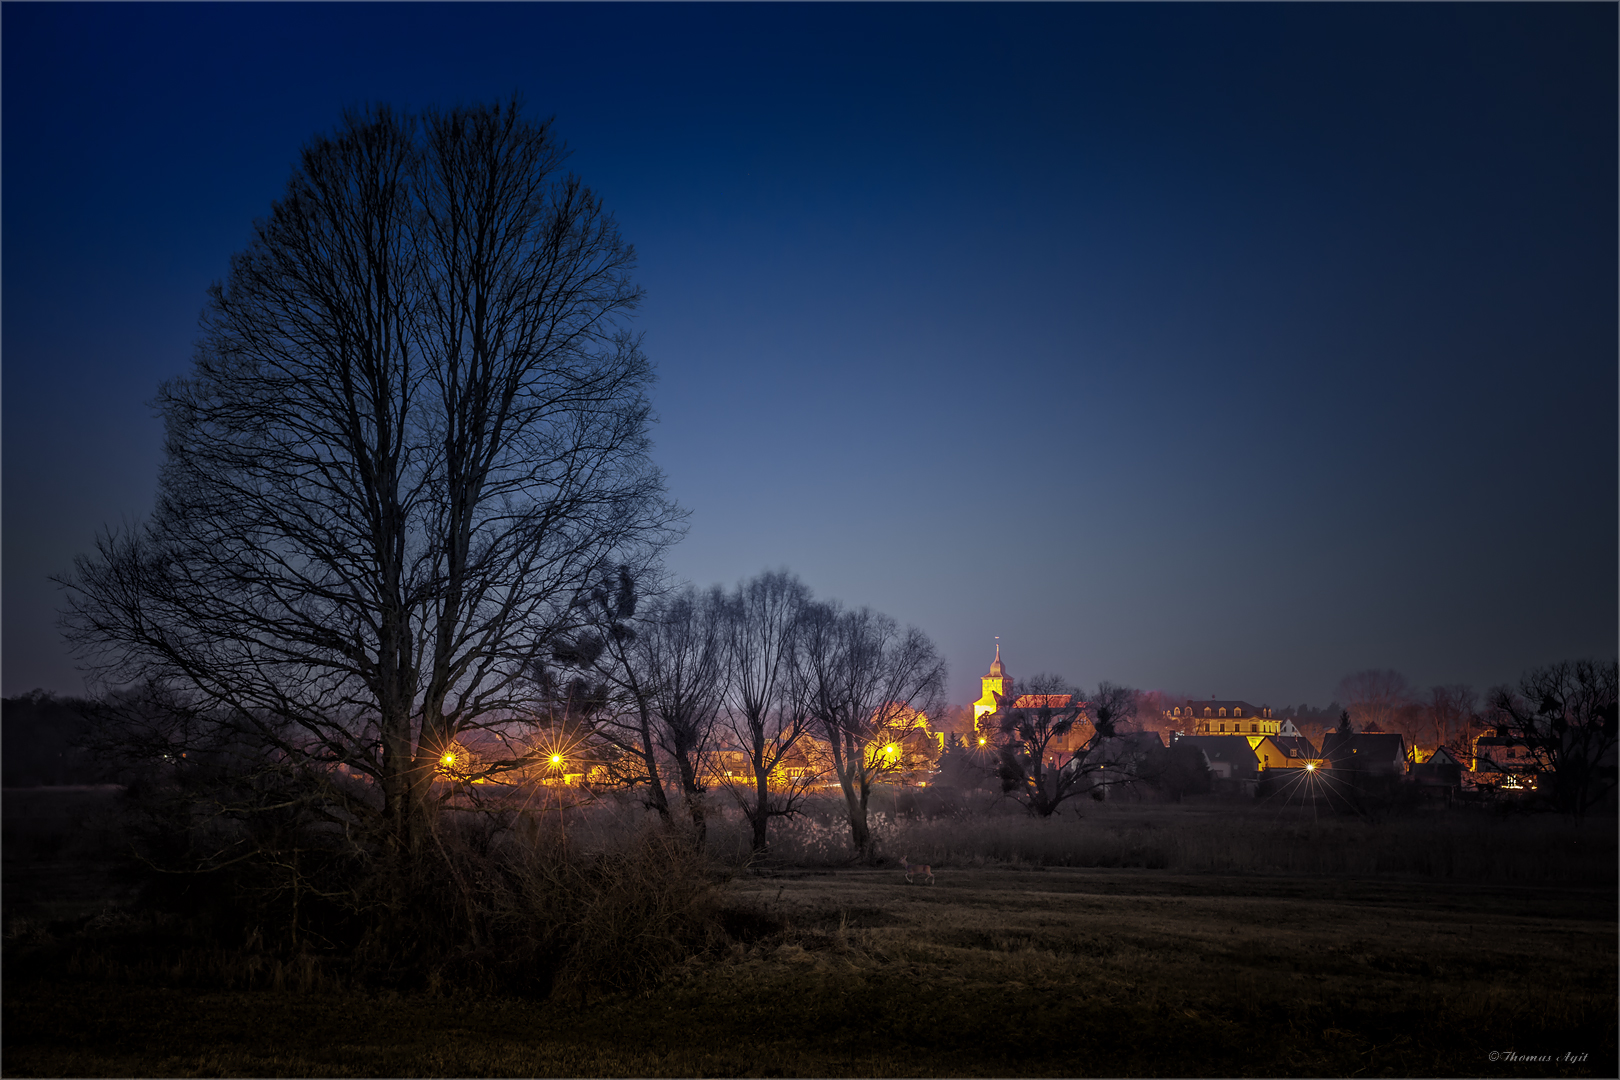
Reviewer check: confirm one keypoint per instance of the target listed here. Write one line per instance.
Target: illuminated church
(997, 686)
(999, 694)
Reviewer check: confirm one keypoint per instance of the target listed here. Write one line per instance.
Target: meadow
(1212, 938)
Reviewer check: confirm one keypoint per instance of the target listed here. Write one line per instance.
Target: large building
(1214, 717)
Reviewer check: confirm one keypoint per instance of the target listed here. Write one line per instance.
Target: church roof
(1044, 701)
(997, 671)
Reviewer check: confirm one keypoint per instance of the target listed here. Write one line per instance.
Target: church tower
(997, 687)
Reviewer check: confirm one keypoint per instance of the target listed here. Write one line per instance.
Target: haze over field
(1221, 350)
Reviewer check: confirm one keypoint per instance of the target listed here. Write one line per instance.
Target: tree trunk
(692, 791)
(656, 796)
(760, 819)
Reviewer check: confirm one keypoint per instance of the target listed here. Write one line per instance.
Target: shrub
(490, 901)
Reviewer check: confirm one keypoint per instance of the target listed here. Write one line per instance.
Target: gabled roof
(1380, 746)
(1295, 746)
(1217, 704)
(1234, 748)
(1441, 756)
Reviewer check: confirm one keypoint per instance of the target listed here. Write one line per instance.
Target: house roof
(1234, 748)
(1045, 701)
(1364, 746)
(1217, 704)
(1295, 746)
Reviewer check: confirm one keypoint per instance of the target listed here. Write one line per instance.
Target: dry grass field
(1008, 966)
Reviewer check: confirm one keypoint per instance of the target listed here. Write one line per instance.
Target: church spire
(997, 670)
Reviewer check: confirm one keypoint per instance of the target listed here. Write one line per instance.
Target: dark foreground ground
(992, 971)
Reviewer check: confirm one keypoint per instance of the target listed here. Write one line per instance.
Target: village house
(1504, 763)
(1118, 760)
(1436, 772)
(1370, 753)
(1230, 757)
(1284, 751)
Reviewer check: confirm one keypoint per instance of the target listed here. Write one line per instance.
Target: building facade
(1215, 717)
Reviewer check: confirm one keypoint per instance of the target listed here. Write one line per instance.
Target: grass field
(1006, 966)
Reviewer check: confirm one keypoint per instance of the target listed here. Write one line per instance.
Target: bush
(493, 902)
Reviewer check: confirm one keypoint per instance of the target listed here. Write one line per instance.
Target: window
(1223, 729)
(1223, 713)
(1237, 712)
(1207, 711)
(1254, 727)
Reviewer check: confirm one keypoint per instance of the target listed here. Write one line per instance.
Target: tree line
(662, 689)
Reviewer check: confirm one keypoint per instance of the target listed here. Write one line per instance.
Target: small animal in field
(916, 870)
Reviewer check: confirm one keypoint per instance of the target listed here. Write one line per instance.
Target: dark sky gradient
(1213, 349)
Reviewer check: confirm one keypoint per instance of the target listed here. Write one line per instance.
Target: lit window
(1237, 712)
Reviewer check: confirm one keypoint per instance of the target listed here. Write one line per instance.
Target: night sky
(1218, 350)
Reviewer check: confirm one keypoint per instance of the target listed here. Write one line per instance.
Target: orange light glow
(556, 759)
(981, 740)
(449, 759)
(1310, 766)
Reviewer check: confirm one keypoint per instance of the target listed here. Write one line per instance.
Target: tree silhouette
(865, 680)
(416, 426)
(1565, 716)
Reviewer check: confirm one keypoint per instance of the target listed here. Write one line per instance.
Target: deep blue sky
(1223, 350)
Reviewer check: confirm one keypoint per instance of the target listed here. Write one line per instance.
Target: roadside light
(1310, 766)
(890, 749)
(556, 759)
(981, 740)
(448, 759)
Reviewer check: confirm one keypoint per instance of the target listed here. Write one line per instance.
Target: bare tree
(866, 680)
(610, 687)
(1110, 707)
(1454, 718)
(415, 427)
(1047, 713)
(655, 669)
(767, 709)
(682, 650)
(1089, 730)
(1565, 715)
(1375, 696)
